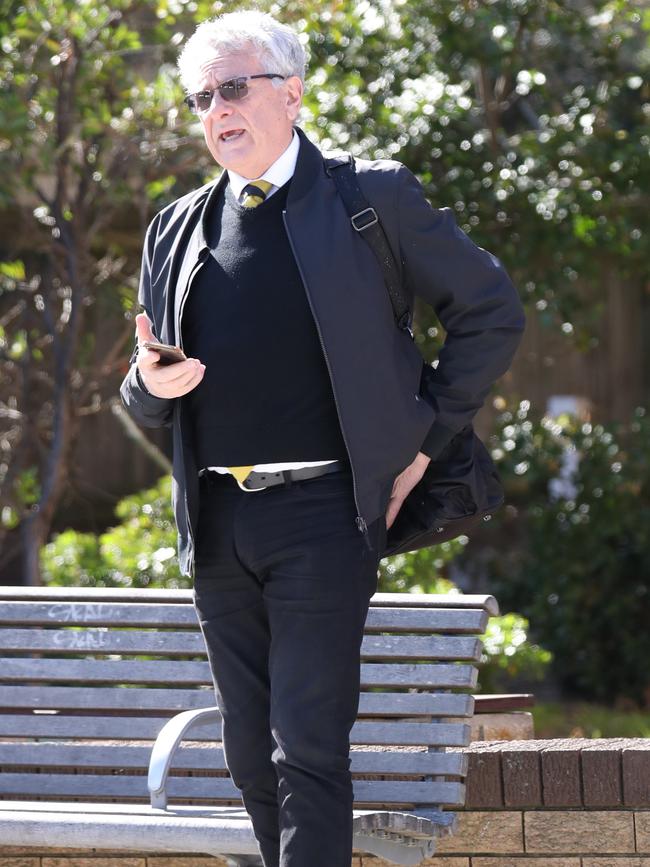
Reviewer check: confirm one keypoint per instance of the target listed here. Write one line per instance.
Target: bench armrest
(168, 740)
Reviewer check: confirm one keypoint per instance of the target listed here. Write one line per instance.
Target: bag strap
(365, 220)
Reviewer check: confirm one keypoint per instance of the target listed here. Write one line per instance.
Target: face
(247, 135)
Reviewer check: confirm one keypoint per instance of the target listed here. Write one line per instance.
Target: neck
(281, 149)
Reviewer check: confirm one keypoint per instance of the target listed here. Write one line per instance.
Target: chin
(229, 160)
(222, 159)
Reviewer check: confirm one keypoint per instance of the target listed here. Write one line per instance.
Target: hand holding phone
(165, 370)
(168, 354)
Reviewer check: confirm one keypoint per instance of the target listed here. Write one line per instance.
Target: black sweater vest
(266, 395)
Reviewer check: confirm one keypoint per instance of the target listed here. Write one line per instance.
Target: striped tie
(254, 194)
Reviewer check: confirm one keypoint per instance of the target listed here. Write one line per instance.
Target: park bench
(109, 737)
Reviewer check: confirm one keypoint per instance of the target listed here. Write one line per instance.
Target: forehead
(223, 65)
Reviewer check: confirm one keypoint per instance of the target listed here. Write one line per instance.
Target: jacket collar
(309, 167)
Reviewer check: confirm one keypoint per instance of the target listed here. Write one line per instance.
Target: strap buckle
(371, 222)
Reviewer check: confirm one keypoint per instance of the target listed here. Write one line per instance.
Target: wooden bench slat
(167, 643)
(184, 673)
(448, 620)
(421, 647)
(414, 675)
(185, 597)
(123, 728)
(394, 733)
(126, 615)
(51, 726)
(214, 788)
(83, 756)
(384, 704)
(102, 641)
(105, 698)
(115, 671)
(79, 613)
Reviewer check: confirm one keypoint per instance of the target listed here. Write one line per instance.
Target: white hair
(276, 44)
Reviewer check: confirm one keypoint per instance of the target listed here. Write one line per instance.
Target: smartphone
(168, 354)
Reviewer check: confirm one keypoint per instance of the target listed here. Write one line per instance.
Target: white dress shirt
(278, 174)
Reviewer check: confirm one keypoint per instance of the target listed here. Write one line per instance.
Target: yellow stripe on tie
(255, 193)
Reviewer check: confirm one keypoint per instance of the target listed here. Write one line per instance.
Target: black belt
(258, 479)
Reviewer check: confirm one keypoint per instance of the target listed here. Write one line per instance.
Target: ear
(294, 96)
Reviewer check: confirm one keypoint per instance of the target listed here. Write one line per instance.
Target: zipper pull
(362, 527)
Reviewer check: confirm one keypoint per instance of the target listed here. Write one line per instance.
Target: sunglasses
(230, 90)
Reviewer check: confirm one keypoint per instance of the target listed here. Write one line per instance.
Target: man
(298, 424)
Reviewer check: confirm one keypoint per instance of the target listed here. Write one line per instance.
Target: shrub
(138, 552)
(581, 570)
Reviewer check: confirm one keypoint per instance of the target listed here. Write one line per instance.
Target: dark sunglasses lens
(203, 100)
(236, 88)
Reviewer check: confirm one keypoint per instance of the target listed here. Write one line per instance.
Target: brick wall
(573, 773)
(530, 803)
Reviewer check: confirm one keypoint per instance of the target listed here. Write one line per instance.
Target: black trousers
(283, 580)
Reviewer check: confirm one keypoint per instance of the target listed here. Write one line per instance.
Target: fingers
(168, 380)
(175, 383)
(178, 373)
(173, 380)
(146, 357)
(143, 328)
(394, 505)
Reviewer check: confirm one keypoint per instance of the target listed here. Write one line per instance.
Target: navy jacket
(375, 366)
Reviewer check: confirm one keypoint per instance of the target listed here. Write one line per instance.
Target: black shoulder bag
(461, 486)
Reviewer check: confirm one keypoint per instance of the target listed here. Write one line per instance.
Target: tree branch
(133, 432)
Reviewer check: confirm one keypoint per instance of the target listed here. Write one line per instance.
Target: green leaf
(13, 270)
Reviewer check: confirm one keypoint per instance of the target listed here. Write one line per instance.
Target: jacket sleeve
(475, 301)
(145, 408)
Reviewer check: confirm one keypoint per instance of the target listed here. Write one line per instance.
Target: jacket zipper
(179, 333)
(359, 520)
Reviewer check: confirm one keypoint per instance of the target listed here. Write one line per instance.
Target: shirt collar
(278, 173)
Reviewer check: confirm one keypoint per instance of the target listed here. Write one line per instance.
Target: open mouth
(231, 135)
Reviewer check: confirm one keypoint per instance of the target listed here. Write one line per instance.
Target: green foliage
(508, 654)
(28, 487)
(587, 720)
(85, 88)
(138, 552)
(421, 571)
(12, 271)
(529, 119)
(580, 571)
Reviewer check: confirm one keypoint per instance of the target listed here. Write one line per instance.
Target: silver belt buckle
(243, 485)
